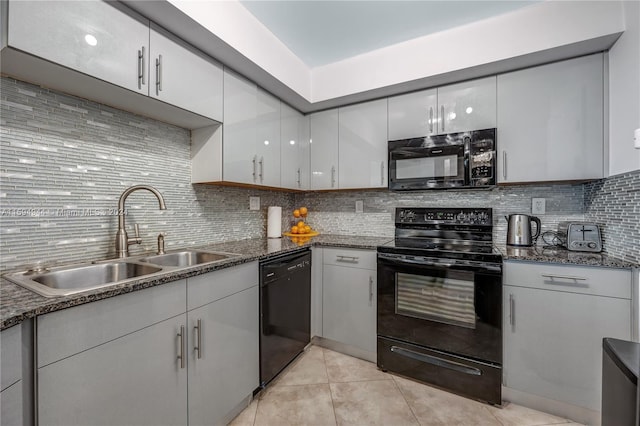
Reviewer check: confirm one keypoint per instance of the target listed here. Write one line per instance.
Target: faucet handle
(137, 229)
(161, 242)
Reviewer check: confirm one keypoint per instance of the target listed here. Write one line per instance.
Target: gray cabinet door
(550, 122)
(136, 379)
(324, 149)
(184, 77)
(93, 37)
(553, 342)
(224, 369)
(349, 306)
(363, 145)
(11, 408)
(239, 130)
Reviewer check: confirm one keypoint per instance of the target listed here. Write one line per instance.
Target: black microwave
(454, 160)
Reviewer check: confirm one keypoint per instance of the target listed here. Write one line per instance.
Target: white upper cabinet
(459, 107)
(294, 149)
(93, 37)
(413, 115)
(324, 149)
(240, 162)
(466, 106)
(363, 145)
(267, 145)
(184, 77)
(550, 122)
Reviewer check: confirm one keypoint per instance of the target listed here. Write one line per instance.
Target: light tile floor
(323, 387)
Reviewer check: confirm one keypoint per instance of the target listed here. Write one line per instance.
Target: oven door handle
(434, 360)
(421, 262)
(436, 263)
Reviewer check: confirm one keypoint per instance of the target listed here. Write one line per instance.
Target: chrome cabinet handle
(512, 318)
(141, 68)
(158, 74)
(333, 176)
(370, 290)
(299, 184)
(348, 259)
(563, 277)
(255, 173)
(504, 164)
(181, 351)
(261, 162)
(198, 330)
(442, 116)
(382, 173)
(430, 119)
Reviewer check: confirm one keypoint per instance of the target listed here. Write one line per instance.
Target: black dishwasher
(285, 311)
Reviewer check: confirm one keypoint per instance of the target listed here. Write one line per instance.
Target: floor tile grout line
(413, 413)
(333, 405)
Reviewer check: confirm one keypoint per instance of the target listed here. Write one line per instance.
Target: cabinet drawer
(70, 331)
(574, 279)
(10, 356)
(364, 259)
(206, 288)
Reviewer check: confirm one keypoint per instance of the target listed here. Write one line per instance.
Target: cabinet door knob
(512, 306)
(261, 162)
(370, 290)
(382, 173)
(333, 176)
(430, 119)
(442, 116)
(504, 164)
(255, 173)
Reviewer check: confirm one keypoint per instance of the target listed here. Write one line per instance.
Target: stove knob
(461, 217)
(591, 245)
(482, 218)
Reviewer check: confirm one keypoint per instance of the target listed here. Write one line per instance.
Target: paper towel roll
(274, 222)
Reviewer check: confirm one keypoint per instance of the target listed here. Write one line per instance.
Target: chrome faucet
(122, 239)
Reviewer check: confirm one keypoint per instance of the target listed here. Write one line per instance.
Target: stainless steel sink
(186, 258)
(65, 281)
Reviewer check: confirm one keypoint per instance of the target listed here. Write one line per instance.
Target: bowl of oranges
(299, 227)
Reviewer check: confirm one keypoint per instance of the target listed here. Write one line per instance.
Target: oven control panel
(450, 216)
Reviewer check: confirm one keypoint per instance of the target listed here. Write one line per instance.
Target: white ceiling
(323, 32)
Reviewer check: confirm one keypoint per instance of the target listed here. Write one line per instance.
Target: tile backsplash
(614, 204)
(64, 161)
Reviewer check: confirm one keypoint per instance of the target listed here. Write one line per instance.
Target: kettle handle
(538, 227)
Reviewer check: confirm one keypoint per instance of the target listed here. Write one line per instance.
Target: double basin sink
(65, 281)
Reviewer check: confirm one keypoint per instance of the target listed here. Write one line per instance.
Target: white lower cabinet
(349, 298)
(11, 401)
(181, 353)
(555, 318)
(223, 360)
(135, 379)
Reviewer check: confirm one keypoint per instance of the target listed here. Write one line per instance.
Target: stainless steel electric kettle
(519, 230)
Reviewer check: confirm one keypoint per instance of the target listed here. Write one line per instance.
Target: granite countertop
(18, 304)
(562, 256)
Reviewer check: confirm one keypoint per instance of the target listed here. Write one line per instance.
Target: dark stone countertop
(18, 304)
(562, 256)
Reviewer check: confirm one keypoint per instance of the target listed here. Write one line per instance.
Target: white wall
(624, 94)
(536, 28)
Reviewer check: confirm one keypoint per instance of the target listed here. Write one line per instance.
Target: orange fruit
(297, 213)
(307, 229)
(303, 211)
(301, 224)
(294, 229)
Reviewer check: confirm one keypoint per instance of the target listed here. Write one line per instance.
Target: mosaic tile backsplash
(64, 161)
(614, 204)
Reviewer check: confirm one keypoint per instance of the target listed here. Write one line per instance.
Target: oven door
(415, 166)
(454, 306)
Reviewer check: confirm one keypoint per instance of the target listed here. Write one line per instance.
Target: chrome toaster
(580, 236)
